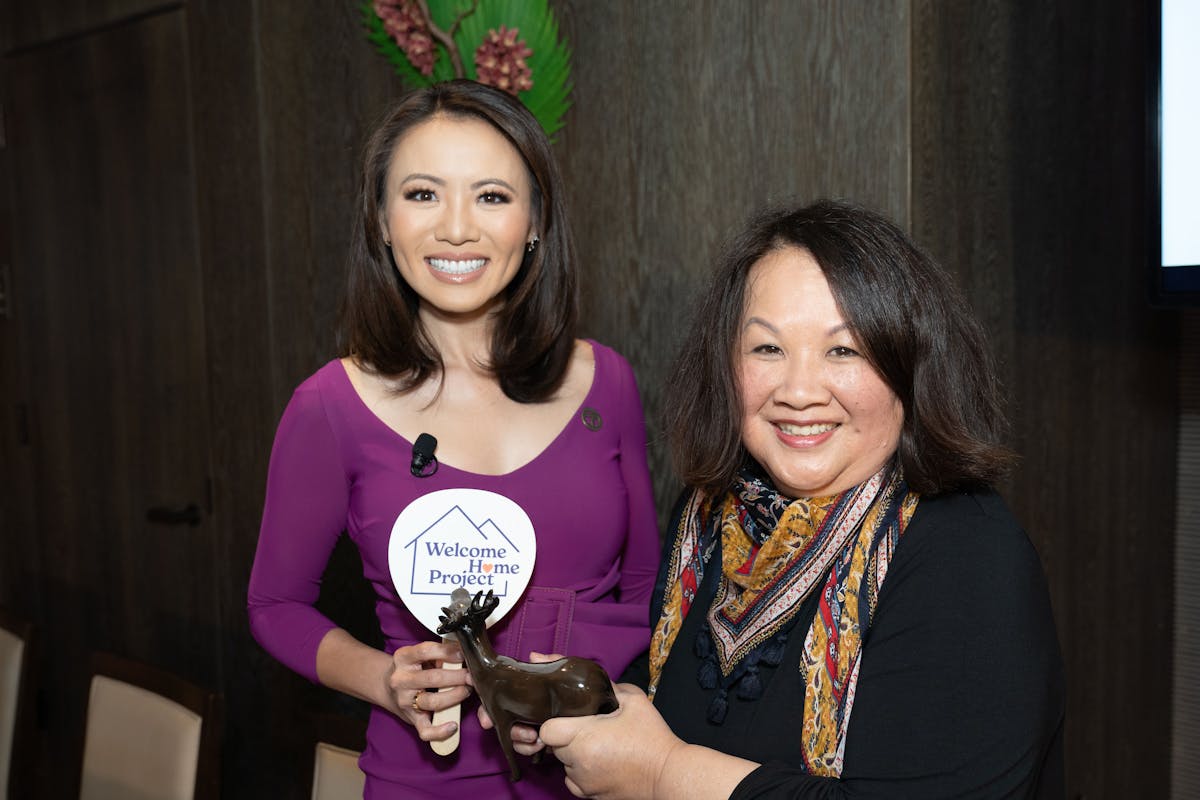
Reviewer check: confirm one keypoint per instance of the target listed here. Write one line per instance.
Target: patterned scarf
(774, 553)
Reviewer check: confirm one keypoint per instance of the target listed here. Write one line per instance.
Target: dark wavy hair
(534, 331)
(912, 324)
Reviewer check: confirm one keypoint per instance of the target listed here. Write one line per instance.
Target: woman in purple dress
(459, 322)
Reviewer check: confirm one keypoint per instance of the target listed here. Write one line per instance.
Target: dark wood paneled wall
(1028, 175)
(688, 122)
(35, 24)
(106, 285)
(1005, 134)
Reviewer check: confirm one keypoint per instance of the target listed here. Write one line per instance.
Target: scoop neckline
(348, 385)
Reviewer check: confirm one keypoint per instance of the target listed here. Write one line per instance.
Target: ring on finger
(417, 697)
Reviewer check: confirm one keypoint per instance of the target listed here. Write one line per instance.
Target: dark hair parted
(534, 330)
(910, 321)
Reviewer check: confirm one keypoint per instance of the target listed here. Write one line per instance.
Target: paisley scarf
(774, 554)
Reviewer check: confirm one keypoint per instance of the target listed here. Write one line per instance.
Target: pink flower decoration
(404, 22)
(500, 61)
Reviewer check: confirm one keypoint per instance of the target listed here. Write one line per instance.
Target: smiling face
(815, 413)
(457, 214)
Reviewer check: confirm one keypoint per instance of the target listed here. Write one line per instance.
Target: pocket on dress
(542, 622)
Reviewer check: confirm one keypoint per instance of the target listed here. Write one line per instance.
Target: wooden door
(107, 294)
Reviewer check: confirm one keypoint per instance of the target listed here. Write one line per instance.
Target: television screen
(1175, 144)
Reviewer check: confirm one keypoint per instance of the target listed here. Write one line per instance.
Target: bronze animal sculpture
(518, 691)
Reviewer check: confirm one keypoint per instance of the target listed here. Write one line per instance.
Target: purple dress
(336, 466)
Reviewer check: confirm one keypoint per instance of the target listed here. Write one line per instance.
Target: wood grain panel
(24, 25)
(1027, 162)
(1100, 438)
(233, 254)
(1185, 692)
(317, 106)
(17, 511)
(104, 248)
(684, 123)
(962, 192)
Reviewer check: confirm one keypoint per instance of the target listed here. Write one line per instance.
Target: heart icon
(487, 567)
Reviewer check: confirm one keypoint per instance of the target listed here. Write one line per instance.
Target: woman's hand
(524, 737)
(411, 680)
(617, 755)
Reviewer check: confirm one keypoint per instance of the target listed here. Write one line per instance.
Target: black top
(960, 691)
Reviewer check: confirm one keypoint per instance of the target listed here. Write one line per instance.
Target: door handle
(175, 516)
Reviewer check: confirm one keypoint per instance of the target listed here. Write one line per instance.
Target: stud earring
(532, 245)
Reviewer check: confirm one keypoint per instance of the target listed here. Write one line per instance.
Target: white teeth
(456, 267)
(806, 430)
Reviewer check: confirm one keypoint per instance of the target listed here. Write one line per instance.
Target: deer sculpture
(518, 691)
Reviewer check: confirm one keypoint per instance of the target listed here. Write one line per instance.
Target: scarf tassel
(745, 675)
(718, 708)
(704, 646)
(772, 654)
(708, 676)
(750, 686)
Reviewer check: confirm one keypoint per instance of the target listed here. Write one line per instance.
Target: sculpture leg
(504, 723)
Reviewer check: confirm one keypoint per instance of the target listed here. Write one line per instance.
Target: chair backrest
(336, 775)
(16, 694)
(341, 737)
(150, 734)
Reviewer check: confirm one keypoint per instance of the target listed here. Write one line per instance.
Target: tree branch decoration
(514, 46)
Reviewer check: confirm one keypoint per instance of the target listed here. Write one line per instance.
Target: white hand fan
(471, 538)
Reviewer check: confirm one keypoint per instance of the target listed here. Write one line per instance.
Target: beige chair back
(12, 659)
(336, 775)
(150, 735)
(138, 745)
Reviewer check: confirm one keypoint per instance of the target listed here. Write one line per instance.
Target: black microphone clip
(424, 463)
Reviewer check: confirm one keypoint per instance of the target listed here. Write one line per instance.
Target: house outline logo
(468, 538)
(489, 565)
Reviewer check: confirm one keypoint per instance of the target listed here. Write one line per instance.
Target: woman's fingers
(612, 755)
(419, 666)
(438, 701)
(428, 732)
(524, 738)
(414, 679)
(423, 705)
(427, 653)
(428, 679)
(560, 731)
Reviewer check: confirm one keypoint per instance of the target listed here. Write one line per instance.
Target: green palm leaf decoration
(470, 23)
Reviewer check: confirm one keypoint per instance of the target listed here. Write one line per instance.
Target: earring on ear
(532, 245)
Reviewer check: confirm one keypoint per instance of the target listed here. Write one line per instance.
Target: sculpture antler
(481, 607)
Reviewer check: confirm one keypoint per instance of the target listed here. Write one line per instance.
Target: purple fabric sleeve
(304, 513)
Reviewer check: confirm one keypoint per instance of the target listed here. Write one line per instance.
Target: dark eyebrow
(421, 176)
(762, 322)
(497, 181)
(836, 329)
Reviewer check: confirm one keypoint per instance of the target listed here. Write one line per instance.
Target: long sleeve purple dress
(336, 466)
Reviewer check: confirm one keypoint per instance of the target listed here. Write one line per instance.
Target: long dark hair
(534, 331)
(913, 325)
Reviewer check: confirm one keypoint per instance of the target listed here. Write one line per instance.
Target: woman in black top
(845, 608)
